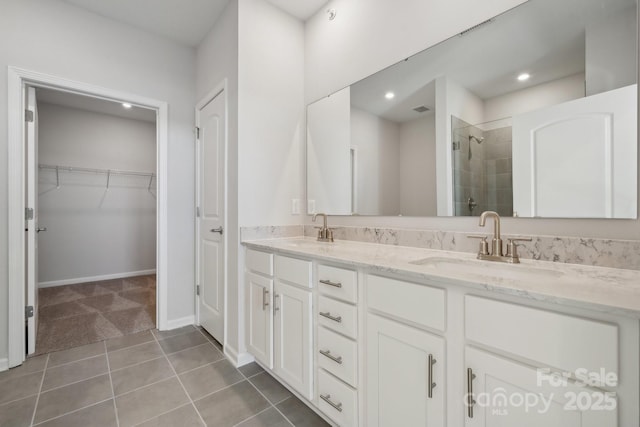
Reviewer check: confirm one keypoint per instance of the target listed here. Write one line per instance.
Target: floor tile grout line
(159, 414)
(137, 363)
(252, 416)
(143, 386)
(72, 383)
(272, 404)
(130, 346)
(198, 345)
(218, 391)
(75, 361)
(113, 394)
(201, 366)
(176, 335)
(206, 336)
(182, 385)
(8, 402)
(72, 412)
(35, 408)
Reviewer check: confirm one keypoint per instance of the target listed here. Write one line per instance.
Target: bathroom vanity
(380, 335)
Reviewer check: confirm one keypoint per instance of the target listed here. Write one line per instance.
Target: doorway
(19, 267)
(94, 202)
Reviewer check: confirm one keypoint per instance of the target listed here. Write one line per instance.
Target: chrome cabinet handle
(327, 398)
(216, 230)
(39, 229)
(330, 283)
(432, 385)
(327, 353)
(470, 401)
(330, 317)
(265, 299)
(275, 303)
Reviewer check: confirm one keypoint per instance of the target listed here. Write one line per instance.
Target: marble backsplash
(572, 250)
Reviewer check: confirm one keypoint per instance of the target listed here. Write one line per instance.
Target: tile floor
(174, 378)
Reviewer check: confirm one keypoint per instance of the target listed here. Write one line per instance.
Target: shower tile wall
(498, 175)
(469, 173)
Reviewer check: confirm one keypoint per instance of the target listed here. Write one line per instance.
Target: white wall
(534, 97)
(56, 38)
(260, 51)
(217, 60)
(379, 33)
(92, 231)
(377, 142)
(418, 191)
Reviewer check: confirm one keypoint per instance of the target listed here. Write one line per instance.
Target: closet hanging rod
(93, 170)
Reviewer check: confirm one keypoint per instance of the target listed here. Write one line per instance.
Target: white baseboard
(235, 358)
(94, 278)
(4, 364)
(179, 323)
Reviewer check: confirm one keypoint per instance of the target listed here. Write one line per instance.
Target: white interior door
(32, 226)
(211, 122)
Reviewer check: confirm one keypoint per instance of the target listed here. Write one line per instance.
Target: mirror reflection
(532, 113)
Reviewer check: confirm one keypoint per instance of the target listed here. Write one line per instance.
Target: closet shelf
(108, 172)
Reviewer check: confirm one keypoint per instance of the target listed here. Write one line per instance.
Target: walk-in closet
(96, 208)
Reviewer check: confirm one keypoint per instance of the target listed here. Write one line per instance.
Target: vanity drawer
(337, 400)
(417, 303)
(338, 282)
(259, 262)
(293, 270)
(558, 340)
(338, 355)
(338, 316)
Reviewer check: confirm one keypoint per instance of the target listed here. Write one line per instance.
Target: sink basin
(486, 269)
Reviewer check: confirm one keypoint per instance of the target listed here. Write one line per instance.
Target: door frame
(17, 79)
(219, 89)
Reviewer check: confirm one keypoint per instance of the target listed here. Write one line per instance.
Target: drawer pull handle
(330, 317)
(327, 398)
(265, 299)
(330, 283)
(470, 401)
(327, 353)
(432, 385)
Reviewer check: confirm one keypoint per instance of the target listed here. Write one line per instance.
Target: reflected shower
(478, 140)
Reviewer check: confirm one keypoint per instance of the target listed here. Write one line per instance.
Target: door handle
(431, 385)
(470, 401)
(216, 230)
(265, 299)
(39, 229)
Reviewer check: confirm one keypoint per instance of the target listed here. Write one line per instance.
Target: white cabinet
(292, 337)
(279, 317)
(260, 318)
(507, 393)
(405, 375)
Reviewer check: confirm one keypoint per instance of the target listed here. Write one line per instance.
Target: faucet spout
(496, 222)
(496, 242)
(325, 234)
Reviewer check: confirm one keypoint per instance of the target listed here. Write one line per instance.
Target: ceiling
(96, 105)
(185, 21)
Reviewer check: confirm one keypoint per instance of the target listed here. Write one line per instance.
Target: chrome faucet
(496, 253)
(325, 234)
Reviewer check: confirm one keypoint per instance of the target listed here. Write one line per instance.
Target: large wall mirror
(532, 113)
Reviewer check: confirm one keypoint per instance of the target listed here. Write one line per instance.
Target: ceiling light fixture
(332, 14)
(389, 95)
(126, 105)
(523, 77)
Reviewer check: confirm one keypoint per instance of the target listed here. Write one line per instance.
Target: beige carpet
(74, 315)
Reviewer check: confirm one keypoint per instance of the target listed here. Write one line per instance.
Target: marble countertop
(604, 289)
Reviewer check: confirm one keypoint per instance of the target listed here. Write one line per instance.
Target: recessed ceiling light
(389, 95)
(332, 14)
(126, 105)
(523, 77)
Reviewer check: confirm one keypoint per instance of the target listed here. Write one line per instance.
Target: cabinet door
(293, 343)
(508, 394)
(399, 376)
(260, 322)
